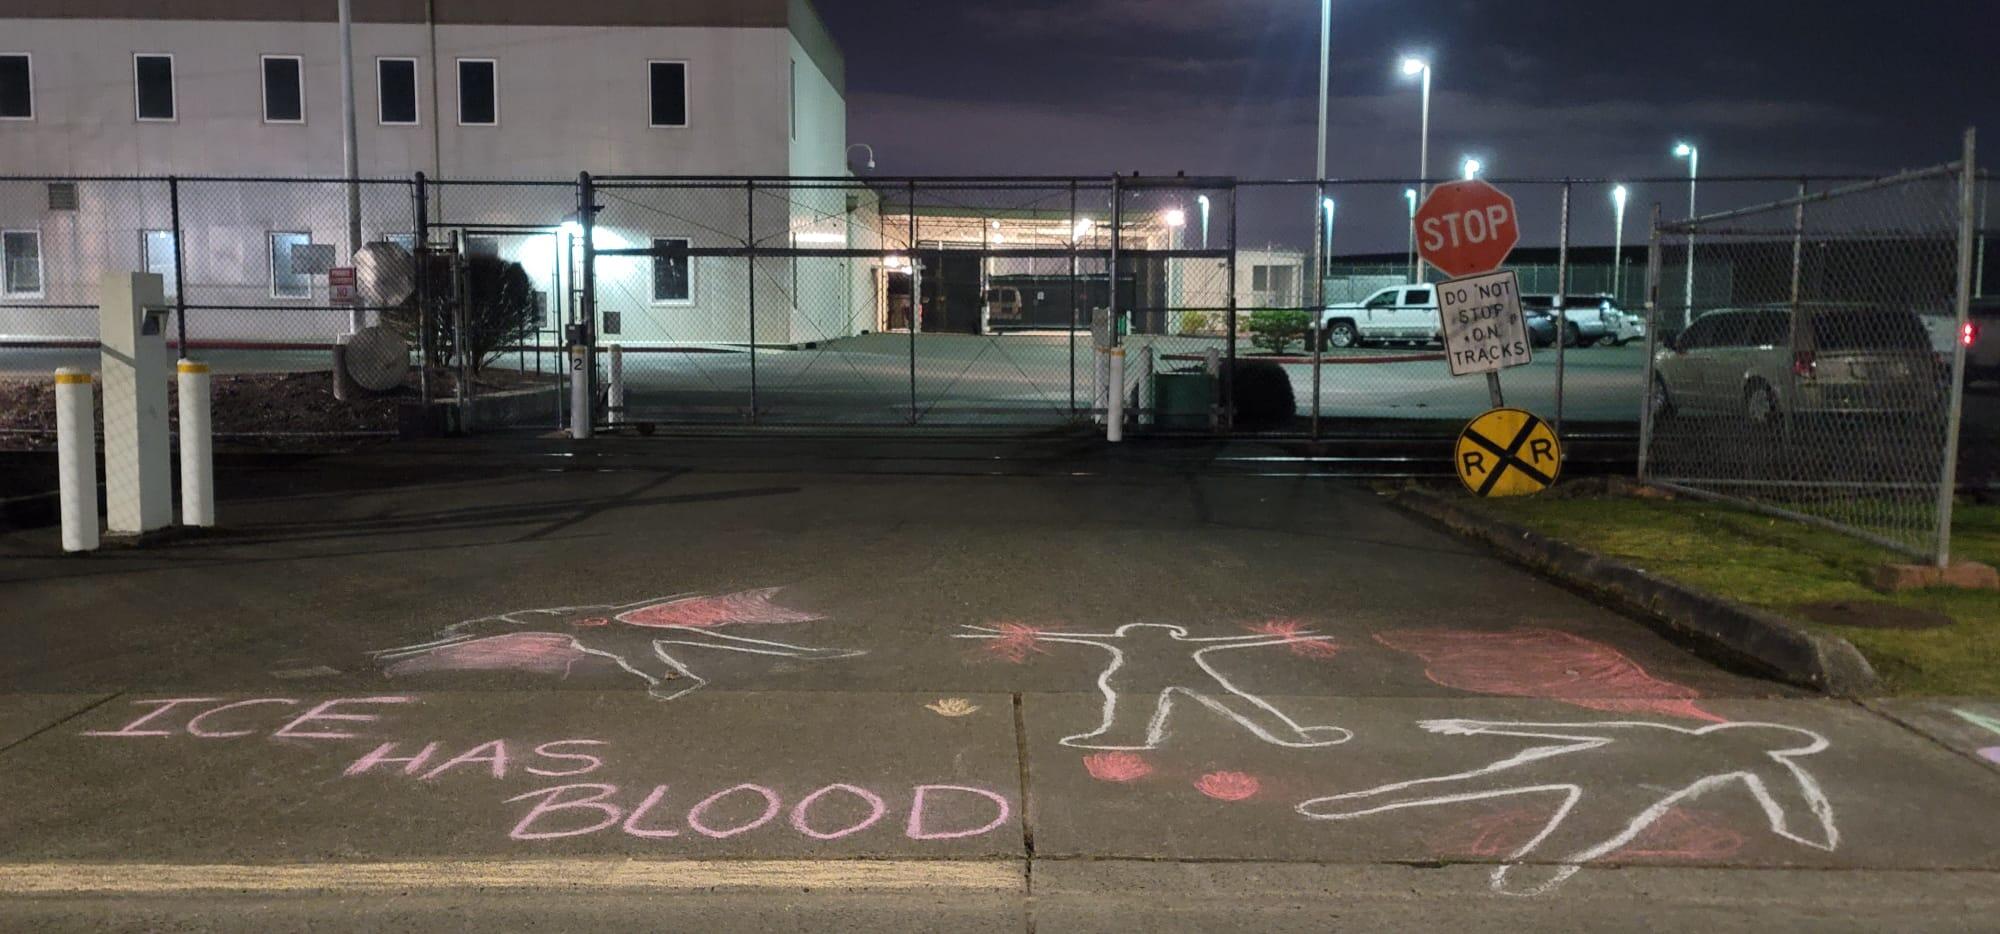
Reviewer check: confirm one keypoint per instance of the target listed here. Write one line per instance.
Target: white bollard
(579, 393)
(616, 407)
(197, 447)
(76, 458)
(1114, 415)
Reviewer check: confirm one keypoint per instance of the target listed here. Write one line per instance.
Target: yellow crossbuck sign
(1508, 452)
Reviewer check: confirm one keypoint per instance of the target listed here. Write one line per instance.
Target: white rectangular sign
(1484, 330)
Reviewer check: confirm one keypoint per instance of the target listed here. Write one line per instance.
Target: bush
(1263, 397)
(1276, 330)
(1195, 323)
(500, 311)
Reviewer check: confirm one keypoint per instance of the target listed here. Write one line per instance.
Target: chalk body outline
(1155, 730)
(1581, 737)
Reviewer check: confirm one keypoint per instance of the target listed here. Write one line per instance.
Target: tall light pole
(1410, 196)
(1693, 156)
(1472, 168)
(1319, 164)
(1326, 247)
(1203, 201)
(1413, 67)
(1618, 198)
(350, 154)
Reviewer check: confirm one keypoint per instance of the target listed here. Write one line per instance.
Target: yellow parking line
(569, 874)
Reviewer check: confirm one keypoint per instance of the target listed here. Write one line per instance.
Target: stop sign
(1466, 228)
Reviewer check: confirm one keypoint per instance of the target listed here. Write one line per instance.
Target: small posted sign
(1484, 330)
(341, 286)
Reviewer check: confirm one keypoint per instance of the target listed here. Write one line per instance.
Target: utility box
(132, 322)
(1184, 401)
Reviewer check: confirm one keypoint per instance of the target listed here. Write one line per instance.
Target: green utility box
(1183, 400)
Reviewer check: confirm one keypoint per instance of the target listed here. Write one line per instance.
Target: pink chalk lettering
(639, 813)
(549, 804)
(770, 810)
(325, 712)
(132, 729)
(494, 754)
(917, 829)
(194, 725)
(547, 751)
(382, 754)
(876, 808)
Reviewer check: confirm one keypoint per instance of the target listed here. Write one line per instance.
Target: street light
(1203, 201)
(871, 152)
(1410, 195)
(1693, 156)
(1618, 198)
(1413, 67)
(1472, 167)
(1175, 217)
(1326, 248)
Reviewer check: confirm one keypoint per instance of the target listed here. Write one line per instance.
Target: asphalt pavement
(992, 685)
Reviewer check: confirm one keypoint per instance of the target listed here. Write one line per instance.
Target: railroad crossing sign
(1508, 452)
(1466, 228)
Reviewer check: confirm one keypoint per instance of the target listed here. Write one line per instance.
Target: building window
(156, 249)
(17, 86)
(284, 89)
(478, 92)
(396, 88)
(669, 94)
(285, 283)
(153, 83)
(1260, 278)
(673, 278)
(21, 263)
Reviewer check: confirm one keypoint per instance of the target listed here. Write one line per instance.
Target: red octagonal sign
(1466, 228)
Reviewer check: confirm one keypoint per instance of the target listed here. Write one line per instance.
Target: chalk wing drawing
(1633, 786)
(1545, 663)
(1153, 664)
(645, 638)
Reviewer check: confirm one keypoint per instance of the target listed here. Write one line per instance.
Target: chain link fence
(1811, 355)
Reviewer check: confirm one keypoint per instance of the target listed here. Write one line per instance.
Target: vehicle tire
(1660, 401)
(1760, 406)
(1572, 335)
(1342, 335)
(1609, 341)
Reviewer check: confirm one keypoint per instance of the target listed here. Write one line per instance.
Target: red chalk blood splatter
(1116, 767)
(1227, 786)
(1680, 834)
(1300, 640)
(1017, 641)
(1547, 664)
(750, 607)
(543, 653)
(590, 623)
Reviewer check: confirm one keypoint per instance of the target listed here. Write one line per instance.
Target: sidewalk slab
(291, 778)
(24, 715)
(1211, 789)
(1967, 724)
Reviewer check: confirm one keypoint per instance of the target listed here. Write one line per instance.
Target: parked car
(1982, 340)
(1541, 326)
(1588, 319)
(1842, 362)
(1398, 313)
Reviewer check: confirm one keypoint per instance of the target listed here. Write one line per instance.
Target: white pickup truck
(1398, 313)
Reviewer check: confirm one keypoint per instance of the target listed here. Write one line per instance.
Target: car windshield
(1870, 331)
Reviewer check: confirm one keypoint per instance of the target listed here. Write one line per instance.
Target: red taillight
(1968, 333)
(1803, 365)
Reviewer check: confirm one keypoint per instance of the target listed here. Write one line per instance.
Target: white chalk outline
(463, 633)
(1573, 792)
(1156, 728)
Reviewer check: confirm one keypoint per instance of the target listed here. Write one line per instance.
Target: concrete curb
(1791, 653)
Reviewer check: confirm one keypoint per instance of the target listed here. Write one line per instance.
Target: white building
(456, 89)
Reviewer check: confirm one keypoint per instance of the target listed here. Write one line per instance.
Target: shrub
(500, 311)
(1276, 330)
(1263, 397)
(1195, 323)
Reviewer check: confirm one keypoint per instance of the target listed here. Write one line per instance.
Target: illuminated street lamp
(1413, 67)
(1410, 195)
(1472, 168)
(1693, 156)
(1618, 198)
(1326, 247)
(1203, 201)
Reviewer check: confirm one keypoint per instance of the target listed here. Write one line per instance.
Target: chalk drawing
(952, 707)
(1643, 771)
(1545, 663)
(937, 812)
(1989, 724)
(800, 811)
(294, 725)
(1116, 766)
(1227, 786)
(1680, 833)
(1153, 664)
(1302, 642)
(646, 639)
(1015, 642)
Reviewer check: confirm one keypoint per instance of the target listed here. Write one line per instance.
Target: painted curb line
(1789, 652)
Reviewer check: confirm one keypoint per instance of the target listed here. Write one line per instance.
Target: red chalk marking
(543, 750)
(494, 754)
(876, 808)
(1991, 754)
(542, 653)
(194, 724)
(1679, 834)
(1299, 639)
(381, 754)
(324, 712)
(590, 623)
(1017, 641)
(132, 729)
(639, 813)
(1545, 663)
(1116, 766)
(750, 607)
(772, 805)
(1228, 786)
(916, 830)
(548, 804)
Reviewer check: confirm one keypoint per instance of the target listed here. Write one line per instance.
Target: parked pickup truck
(1398, 313)
(1588, 319)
